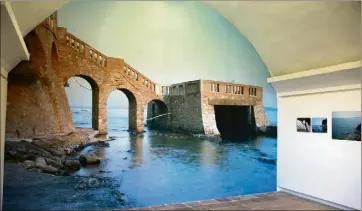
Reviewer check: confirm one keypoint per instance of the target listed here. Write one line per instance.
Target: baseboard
(301, 195)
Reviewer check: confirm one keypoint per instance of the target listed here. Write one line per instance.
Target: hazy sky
(79, 92)
(317, 121)
(169, 42)
(346, 114)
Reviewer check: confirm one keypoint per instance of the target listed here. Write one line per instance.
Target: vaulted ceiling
(293, 36)
(290, 36)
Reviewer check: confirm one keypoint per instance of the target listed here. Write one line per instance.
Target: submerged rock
(89, 159)
(111, 138)
(94, 182)
(102, 144)
(266, 160)
(117, 195)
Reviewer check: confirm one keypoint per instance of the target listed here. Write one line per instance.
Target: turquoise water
(162, 167)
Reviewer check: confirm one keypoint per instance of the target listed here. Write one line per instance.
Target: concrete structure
(197, 105)
(281, 33)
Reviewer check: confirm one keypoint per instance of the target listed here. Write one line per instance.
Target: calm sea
(163, 168)
(342, 127)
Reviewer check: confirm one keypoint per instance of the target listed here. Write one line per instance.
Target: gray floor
(265, 201)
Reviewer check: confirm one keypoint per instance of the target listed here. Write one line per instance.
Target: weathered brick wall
(186, 114)
(35, 106)
(37, 102)
(192, 109)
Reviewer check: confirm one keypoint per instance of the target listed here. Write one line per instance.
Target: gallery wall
(314, 164)
(170, 42)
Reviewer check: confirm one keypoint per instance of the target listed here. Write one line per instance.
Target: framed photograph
(303, 125)
(319, 125)
(346, 125)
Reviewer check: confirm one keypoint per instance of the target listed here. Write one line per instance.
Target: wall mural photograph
(319, 125)
(303, 125)
(141, 92)
(346, 125)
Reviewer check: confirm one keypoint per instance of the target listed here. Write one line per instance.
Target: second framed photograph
(319, 125)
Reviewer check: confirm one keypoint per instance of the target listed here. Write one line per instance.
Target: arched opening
(121, 110)
(83, 96)
(156, 115)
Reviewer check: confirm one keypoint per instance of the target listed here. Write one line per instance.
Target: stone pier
(192, 105)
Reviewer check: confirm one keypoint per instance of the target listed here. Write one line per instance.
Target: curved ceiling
(293, 36)
(290, 36)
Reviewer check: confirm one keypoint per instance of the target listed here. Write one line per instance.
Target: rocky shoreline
(32, 190)
(55, 155)
(49, 163)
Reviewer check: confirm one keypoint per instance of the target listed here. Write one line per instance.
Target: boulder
(27, 140)
(54, 163)
(57, 152)
(21, 151)
(93, 183)
(72, 164)
(89, 159)
(50, 169)
(40, 162)
(28, 164)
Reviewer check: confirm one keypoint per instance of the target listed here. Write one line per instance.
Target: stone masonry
(38, 105)
(191, 104)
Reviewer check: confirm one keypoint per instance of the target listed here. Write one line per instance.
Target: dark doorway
(157, 115)
(235, 123)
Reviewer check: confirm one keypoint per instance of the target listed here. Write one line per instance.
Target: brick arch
(95, 97)
(134, 113)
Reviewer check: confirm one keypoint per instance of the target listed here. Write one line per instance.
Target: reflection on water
(158, 169)
(162, 168)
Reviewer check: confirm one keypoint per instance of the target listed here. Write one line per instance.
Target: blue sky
(169, 42)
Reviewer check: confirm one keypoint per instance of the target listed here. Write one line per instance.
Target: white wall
(4, 86)
(315, 164)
